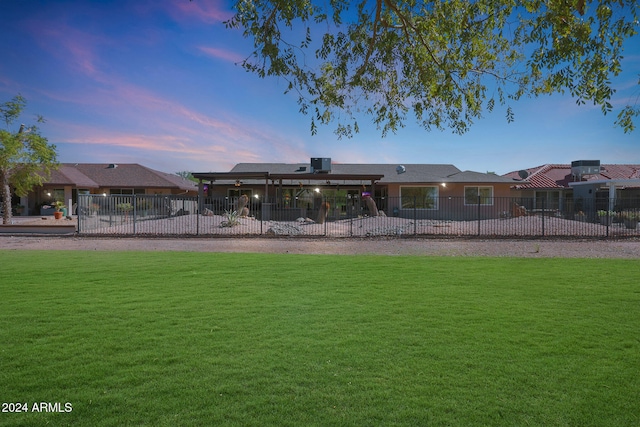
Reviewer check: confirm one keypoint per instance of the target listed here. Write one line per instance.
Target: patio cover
(215, 176)
(611, 183)
(222, 176)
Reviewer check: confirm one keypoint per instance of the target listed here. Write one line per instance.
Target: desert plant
(58, 205)
(124, 207)
(231, 218)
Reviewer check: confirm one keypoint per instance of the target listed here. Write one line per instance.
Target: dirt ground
(530, 248)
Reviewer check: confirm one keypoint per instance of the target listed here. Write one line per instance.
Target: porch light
(238, 183)
(317, 190)
(444, 184)
(256, 196)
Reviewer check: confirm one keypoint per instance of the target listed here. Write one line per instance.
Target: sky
(157, 82)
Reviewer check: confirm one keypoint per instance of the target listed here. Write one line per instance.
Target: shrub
(231, 218)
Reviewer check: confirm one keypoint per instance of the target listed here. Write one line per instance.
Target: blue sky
(155, 82)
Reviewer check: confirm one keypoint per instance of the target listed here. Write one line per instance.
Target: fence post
(134, 212)
(543, 200)
(198, 213)
(79, 210)
(350, 211)
(415, 215)
(609, 220)
(479, 199)
(324, 200)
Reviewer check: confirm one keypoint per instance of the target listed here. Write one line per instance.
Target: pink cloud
(188, 153)
(69, 45)
(165, 126)
(222, 54)
(207, 11)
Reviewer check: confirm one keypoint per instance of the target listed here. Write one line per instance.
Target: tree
(447, 62)
(26, 158)
(186, 175)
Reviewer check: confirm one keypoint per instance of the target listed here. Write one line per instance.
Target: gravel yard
(360, 227)
(370, 235)
(569, 248)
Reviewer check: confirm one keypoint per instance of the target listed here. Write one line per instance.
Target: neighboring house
(587, 184)
(399, 190)
(72, 179)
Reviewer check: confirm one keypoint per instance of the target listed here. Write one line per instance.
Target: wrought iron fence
(355, 216)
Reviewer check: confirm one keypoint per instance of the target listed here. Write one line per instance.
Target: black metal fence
(121, 215)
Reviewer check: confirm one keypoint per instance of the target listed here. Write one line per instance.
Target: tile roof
(557, 176)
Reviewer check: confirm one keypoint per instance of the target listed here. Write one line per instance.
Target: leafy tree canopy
(445, 62)
(26, 157)
(186, 175)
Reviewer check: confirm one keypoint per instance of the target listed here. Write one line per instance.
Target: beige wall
(455, 207)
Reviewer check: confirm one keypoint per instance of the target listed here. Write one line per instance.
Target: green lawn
(179, 339)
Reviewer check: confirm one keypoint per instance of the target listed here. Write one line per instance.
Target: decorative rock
(279, 229)
(386, 231)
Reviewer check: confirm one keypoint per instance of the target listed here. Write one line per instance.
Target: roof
(558, 176)
(412, 171)
(128, 175)
(382, 173)
(68, 175)
(478, 177)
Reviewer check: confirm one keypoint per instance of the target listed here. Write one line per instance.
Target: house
(583, 184)
(409, 190)
(71, 179)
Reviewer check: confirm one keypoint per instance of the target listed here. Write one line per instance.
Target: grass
(167, 339)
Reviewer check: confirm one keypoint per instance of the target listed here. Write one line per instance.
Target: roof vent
(112, 166)
(400, 169)
(580, 168)
(320, 164)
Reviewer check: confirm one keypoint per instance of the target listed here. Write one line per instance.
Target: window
(471, 195)
(419, 197)
(547, 199)
(126, 191)
(57, 194)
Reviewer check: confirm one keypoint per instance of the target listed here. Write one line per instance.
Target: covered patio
(282, 190)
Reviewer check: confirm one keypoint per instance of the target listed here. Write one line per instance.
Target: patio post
(200, 197)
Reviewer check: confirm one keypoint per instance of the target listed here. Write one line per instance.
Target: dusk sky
(155, 82)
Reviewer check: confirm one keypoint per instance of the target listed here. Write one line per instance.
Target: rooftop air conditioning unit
(580, 168)
(320, 164)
